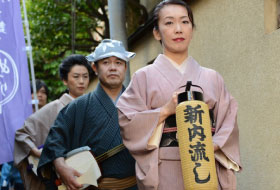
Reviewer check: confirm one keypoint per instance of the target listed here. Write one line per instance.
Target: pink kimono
(33, 134)
(139, 108)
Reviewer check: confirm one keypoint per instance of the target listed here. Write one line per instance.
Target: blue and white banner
(15, 92)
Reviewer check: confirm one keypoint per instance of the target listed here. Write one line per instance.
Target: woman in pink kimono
(75, 72)
(151, 97)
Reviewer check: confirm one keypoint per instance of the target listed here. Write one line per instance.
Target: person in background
(42, 93)
(75, 72)
(10, 176)
(151, 98)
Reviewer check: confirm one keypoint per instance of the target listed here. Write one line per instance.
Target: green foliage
(50, 24)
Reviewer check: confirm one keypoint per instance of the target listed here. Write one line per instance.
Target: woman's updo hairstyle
(171, 2)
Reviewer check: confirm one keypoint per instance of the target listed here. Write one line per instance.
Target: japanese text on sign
(197, 148)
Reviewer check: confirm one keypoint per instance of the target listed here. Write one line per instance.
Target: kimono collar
(192, 70)
(65, 99)
(115, 102)
(104, 99)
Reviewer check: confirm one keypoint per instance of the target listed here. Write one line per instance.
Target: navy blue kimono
(90, 120)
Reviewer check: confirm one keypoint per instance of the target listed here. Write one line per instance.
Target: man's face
(111, 72)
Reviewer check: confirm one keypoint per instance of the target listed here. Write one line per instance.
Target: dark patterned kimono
(90, 120)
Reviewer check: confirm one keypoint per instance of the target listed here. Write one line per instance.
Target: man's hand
(67, 174)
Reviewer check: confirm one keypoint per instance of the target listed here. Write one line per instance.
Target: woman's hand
(36, 152)
(169, 108)
(216, 147)
(67, 174)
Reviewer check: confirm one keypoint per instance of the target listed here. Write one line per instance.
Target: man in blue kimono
(92, 120)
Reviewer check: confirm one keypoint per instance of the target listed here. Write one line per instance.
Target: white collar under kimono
(174, 76)
(66, 99)
(181, 68)
(69, 96)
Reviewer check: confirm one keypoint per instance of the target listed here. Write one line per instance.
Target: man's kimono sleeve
(61, 133)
